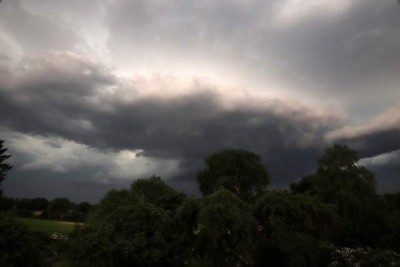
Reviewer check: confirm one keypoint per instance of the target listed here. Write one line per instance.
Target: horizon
(95, 95)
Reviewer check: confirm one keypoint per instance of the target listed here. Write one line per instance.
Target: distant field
(48, 226)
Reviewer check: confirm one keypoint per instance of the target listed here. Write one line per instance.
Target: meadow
(48, 226)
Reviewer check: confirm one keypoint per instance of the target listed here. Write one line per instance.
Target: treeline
(57, 209)
(333, 217)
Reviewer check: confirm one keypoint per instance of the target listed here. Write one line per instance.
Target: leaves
(239, 171)
(4, 167)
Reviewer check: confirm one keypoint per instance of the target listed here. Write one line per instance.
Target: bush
(18, 247)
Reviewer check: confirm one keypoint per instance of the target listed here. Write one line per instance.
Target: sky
(97, 94)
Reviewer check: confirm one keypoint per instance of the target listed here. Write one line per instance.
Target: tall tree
(155, 191)
(135, 228)
(294, 230)
(225, 230)
(4, 167)
(341, 181)
(239, 171)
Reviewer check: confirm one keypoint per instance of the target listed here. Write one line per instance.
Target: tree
(4, 167)
(60, 208)
(341, 181)
(134, 227)
(337, 172)
(225, 230)
(293, 230)
(32, 204)
(84, 207)
(132, 235)
(18, 247)
(153, 190)
(239, 171)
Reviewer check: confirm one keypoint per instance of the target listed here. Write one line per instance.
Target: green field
(48, 226)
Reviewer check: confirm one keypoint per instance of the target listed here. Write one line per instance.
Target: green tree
(225, 230)
(133, 235)
(366, 257)
(186, 225)
(4, 167)
(294, 230)
(239, 171)
(134, 227)
(60, 208)
(18, 247)
(341, 181)
(155, 191)
(38, 204)
(84, 207)
(338, 171)
(392, 222)
(112, 200)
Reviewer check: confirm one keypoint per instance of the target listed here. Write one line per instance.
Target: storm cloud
(152, 87)
(64, 95)
(379, 135)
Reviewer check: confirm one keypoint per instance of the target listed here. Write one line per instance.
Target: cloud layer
(163, 118)
(143, 87)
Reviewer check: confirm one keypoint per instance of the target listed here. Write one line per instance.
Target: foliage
(60, 209)
(156, 192)
(18, 247)
(112, 200)
(239, 171)
(185, 223)
(294, 230)
(338, 173)
(132, 228)
(135, 235)
(226, 228)
(4, 166)
(392, 237)
(300, 213)
(332, 217)
(6, 203)
(365, 257)
(64, 209)
(351, 188)
(84, 207)
(34, 204)
(393, 201)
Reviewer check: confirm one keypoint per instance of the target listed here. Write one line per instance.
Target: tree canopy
(351, 188)
(332, 217)
(4, 166)
(239, 171)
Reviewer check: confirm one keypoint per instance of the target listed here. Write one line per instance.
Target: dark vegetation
(333, 217)
(57, 209)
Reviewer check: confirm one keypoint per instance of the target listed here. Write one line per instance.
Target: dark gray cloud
(65, 96)
(187, 78)
(47, 166)
(376, 136)
(344, 51)
(376, 143)
(386, 166)
(388, 177)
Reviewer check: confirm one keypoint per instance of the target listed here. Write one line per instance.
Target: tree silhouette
(4, 167)
(351, 188)
(239, 171)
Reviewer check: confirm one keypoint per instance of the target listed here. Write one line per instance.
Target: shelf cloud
(152, 87)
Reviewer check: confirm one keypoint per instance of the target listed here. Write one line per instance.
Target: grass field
(48, 226)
